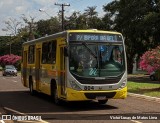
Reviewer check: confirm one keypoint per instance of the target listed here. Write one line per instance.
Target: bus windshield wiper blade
(90, 51)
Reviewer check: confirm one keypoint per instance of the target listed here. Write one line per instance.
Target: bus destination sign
(95, 37)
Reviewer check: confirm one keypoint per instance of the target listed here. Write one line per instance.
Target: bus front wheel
(54, 94)
(102, 101)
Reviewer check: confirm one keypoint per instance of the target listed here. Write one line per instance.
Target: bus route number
(88, 87)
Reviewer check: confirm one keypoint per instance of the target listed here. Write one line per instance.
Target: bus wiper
(90, 51)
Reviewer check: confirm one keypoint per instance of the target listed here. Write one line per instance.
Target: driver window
(117, 55)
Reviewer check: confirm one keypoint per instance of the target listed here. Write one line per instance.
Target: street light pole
(42, 10)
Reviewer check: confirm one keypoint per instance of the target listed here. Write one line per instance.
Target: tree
(87, 20)
(12, 41)
(12, 26)
(152, 20)
(91, 16)
(72, 21)
(150, 60)
(129, 18)
(31, 25)
(3, 45)
(47, 27)
(10, 60)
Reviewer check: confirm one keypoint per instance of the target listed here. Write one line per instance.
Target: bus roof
(64, 33)
(94, 31)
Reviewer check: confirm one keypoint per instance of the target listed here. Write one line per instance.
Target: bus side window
(44, 52)
(53, 56)
(49, 52)
(31, 54)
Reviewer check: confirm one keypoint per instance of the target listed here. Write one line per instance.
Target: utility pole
(10, 43)
(62, 5)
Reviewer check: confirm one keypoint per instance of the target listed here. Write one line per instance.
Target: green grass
(149, 89)
(1, 68)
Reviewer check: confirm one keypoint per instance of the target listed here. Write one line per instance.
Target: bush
(150, 60)
(1, 68)
(10, 60)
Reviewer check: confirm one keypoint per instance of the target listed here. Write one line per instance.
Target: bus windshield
(96, 59)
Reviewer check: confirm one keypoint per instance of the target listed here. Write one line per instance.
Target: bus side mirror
(66, 51)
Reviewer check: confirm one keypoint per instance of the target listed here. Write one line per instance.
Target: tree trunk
(130, 67)
(31, 36)
(130, 61)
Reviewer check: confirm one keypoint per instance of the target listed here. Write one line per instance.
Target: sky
(30, 8)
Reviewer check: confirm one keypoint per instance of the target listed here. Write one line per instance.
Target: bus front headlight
(75, 86)
(123, 84)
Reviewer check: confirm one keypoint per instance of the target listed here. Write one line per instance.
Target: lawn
(149, 89)
(1, 68)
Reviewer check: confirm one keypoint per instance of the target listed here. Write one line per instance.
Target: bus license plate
(101, 97)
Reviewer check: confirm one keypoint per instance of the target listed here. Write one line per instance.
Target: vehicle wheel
(102, 101)
(152, 78)
(31, 88)
(54, 95)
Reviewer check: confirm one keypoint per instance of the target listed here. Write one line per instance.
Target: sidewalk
(155, 99)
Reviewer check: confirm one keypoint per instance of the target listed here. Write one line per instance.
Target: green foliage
(137, 20)
(130, 18)
(10, 60)
(150, 60)
(3, 45)
(149, 89)
(47, 27)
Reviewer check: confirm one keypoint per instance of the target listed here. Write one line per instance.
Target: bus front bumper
(73, 95)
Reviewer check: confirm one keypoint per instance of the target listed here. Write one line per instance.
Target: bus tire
(31, 86)
(54, 93)
(102, 101)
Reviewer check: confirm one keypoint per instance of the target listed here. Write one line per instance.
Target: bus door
(62, 71)
(38, 68)
(24, 68)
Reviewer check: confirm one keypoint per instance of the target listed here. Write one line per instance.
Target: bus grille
(94, 95)
(94, 81)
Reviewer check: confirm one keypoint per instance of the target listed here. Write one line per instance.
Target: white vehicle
(9, 70)
(153, 76)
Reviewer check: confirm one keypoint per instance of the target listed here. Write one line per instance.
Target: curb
(2, 110)
(155, 99)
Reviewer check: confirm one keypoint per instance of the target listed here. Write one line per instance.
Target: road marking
(20, 113)
(135, 121)
(15, 81)
(2, 121)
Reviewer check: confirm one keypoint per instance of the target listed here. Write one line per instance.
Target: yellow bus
(76, 65)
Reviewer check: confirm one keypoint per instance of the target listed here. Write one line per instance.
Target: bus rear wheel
(31, 86)
(102, 101)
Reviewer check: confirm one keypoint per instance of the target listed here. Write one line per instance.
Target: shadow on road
(22, 101)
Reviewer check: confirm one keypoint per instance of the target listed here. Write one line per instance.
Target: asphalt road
(16, 100)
